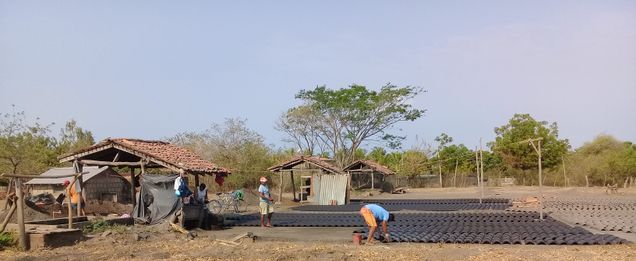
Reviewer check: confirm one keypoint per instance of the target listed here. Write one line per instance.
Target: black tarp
(156, 199)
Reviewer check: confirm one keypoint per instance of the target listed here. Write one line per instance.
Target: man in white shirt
(266, 203)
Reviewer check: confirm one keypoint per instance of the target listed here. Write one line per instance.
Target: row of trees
(338, 124)
(28, 147)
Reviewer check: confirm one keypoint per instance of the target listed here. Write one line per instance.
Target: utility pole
(565, 179)
(477, 169)
(440, 173)
(455, 177)
(537, 149)
(481, 167)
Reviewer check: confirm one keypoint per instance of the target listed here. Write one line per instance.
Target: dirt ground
(283, 243)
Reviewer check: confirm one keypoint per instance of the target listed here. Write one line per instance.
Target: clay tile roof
(159, 152)
(372, 165)
(319, 162)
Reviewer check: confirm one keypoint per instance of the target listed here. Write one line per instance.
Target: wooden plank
(110, 163)
(79, 155)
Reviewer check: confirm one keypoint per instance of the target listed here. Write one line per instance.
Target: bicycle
(226, 201)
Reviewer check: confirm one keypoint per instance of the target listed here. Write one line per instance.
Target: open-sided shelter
(367, 174)
(328, 183)
(102, 184)
(142, 154)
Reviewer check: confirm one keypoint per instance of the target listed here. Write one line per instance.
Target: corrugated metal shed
(92, 172)
(330, 187)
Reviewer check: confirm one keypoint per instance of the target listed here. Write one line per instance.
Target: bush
(100, 225)
(6, 240)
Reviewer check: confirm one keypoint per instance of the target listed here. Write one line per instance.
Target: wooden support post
(293, 184)
(348, 196)
(20, 208)
(372, 181)
(280, 187)
(132, 187)
(80, 184)
(8, 216)
(196, 185)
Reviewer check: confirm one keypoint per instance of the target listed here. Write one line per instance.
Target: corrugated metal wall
(330, 187)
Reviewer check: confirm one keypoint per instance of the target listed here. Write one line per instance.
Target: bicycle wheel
(215, 206)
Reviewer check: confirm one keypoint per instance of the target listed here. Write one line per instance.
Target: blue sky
(151, 69)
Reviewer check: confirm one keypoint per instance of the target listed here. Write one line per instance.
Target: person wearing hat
(373, 214)
(266, 203)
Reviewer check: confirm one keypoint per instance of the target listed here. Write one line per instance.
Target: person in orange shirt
(75, 197)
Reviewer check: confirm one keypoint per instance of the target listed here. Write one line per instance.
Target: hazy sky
(151, 69)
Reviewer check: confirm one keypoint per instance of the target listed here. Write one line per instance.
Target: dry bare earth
(298, 245)
(207, 249)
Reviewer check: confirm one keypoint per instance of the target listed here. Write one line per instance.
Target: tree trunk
(587, 182)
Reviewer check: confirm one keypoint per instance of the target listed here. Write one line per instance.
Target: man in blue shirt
(266, 203)
(373, 214)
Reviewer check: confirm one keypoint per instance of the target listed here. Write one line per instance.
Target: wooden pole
(78, 169)
(8, 216)
(481, 169)
(293, 184)
(455, 176)
(68, 203)
(280, 187)
(440, 174)
(372, 181)
(132, 187)
(348, 196)
(113, 164)
(20, 208)
(196, 185)
(477, 170)
(565, 179)
(540, 184)
(6, 203)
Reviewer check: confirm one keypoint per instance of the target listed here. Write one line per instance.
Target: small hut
(103, 184)
(321, 182)
(141, 155)
(367, 174)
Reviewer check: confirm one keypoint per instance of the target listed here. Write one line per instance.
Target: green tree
(456, 155)
(516, 154)
(231, 145)
(347, 117)
(299, 124)
(25, 148)
(378, 154)
(412, 163)
(73, 138)
(602, 161)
